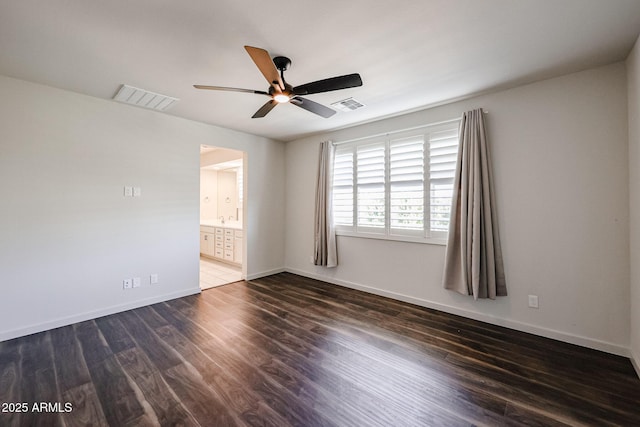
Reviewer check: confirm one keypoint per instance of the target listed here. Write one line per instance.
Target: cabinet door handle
(205, 237)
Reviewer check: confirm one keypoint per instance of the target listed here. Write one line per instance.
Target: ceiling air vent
(348, 104)
(144, 98)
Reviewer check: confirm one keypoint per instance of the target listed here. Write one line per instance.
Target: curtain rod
(402, 130)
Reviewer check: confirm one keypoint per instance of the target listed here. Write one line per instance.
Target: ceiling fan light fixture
(281, 98)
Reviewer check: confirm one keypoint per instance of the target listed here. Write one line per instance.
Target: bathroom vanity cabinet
(223, 243)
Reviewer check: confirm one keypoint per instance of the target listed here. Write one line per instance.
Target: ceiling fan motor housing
(282, 63)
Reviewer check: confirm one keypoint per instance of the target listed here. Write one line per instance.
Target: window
(396, 186)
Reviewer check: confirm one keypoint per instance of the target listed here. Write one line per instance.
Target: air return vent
(348, 104)
(144, 98)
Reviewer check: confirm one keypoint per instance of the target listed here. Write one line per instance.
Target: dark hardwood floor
(287, 350)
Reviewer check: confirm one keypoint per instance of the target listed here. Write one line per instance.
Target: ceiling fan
(282, 92)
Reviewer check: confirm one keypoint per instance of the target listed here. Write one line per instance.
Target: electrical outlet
(137, 191)
(126, 284)
(136, 282)
(153, 279)
(533, 301)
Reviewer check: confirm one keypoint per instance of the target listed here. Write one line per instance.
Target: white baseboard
(635, 365)
(264, 273)
(511, 324)
(64, 321)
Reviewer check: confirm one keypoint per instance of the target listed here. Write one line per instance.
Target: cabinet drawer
(228, 255)
(238, 233)
(228, 246)
(228, 232)
(219, 244)
(219, 252)
(219, 238)
(219, 230)
(228, 239)
(207, 229)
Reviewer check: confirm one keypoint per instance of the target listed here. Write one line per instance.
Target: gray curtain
(325, 247)
(473, 261)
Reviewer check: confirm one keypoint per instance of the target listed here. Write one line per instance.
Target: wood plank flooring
(287, 350)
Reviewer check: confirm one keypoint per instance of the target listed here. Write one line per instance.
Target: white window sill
(395, 238)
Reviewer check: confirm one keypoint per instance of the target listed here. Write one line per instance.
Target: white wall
(68, 237)
(559, 150)
(633, 79)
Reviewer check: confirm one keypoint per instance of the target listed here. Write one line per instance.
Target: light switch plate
(128, 191)
(137, 191)
(533, 301)
(126, 284)
(153, 279)
(136, 282)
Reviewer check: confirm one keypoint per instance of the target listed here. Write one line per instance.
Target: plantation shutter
(443, 150)
(370, 181)
(343, 168)
(406, 186)
(397, 186)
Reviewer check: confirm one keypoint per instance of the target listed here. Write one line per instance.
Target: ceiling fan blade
(266, 66)
(327, 85)
(264, 110)
(312, 106)
(231, 89)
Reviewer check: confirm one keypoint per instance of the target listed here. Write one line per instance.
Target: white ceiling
(410, 53)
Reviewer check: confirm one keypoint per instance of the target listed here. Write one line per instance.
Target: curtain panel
(473, 260)
(325, 245)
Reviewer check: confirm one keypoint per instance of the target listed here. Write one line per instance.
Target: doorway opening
(222, 225)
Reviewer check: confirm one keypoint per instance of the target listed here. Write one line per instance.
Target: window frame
(424, 235)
